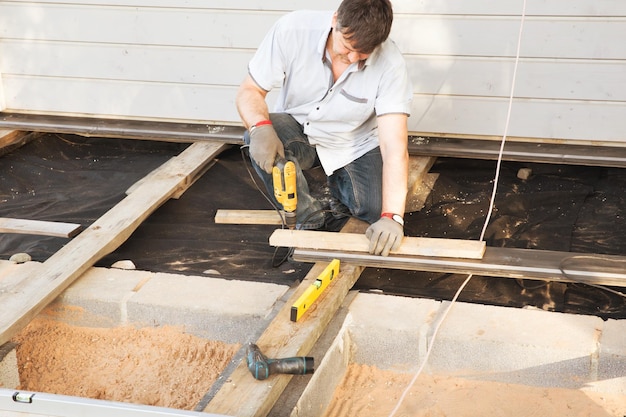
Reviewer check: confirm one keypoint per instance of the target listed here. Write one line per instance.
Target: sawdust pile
(150, 366)
(369, 391)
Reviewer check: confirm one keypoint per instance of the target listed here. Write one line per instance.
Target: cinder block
(531, 347)
(9, 375)
(218, 309)
(391, 331)
(612, 357)
(98, 297)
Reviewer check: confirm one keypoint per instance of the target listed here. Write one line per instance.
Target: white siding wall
(183, 59)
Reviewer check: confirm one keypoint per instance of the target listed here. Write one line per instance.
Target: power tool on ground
(262, 367)
(284, 177)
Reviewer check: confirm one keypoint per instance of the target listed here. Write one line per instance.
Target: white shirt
(338, 118)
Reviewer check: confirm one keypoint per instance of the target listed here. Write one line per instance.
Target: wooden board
(247, 217)
(23, 296)
(38, 227)
(242, 395)
(358, 242)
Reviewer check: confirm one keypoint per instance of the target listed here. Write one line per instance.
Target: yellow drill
(284, 177)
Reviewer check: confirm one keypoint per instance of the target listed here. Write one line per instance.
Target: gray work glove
(385, 235)
(264, 146)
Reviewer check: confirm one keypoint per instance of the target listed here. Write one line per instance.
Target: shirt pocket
(354, 108)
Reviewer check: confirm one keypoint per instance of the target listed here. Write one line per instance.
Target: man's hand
(264, 146)
(385, 235)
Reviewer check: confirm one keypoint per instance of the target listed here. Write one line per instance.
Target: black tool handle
(298, 365)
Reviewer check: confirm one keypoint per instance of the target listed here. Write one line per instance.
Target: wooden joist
(358, 242)
(39, 227)
(11, 139)
(242, 395)
(24, 295)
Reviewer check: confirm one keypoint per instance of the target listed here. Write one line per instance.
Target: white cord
(487, 219)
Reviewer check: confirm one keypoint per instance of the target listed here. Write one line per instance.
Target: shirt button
(317, 108)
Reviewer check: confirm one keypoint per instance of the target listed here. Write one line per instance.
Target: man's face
(342, 48)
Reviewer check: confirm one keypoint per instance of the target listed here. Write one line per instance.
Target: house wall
(183, 60)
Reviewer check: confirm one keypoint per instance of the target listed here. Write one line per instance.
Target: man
(344, 102)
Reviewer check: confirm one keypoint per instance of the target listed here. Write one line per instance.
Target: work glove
(264, 146)
(385, 235)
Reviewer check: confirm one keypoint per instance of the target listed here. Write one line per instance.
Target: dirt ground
(150, 366)
(368, 391)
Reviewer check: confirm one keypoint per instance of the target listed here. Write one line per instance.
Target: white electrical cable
(487, 219)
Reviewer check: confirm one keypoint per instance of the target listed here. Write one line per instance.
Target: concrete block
(612, 357)
(9, 375)
(531, 347)
(98, 297)
(395, 326)
(218, 309)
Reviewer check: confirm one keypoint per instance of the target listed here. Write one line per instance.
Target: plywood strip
(247, 217)
(243, 395)
(38, 227)
(23, 297)
(358, 242)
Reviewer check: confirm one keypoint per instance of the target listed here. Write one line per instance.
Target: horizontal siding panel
(125, 62)
(147, 26)
(512, 7)
(559, 79)
(105, 98)
(415, 34)
(544, 79)
(542, 119)
(256, 5)
(497, 36)
(449, 7)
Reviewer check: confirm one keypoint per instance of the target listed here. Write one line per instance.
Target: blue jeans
(357, 187)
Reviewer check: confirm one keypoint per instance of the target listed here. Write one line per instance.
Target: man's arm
(393, 137)
(250, 102)
(252, 108)
(386, 234)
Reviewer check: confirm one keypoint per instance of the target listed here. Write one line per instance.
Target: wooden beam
(24, 295)
(358, 242)
(39, 227)
(420, 182)
(243, 395)
(11, 139)
(248, 217)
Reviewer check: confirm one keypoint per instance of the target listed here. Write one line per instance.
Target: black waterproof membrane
(75, 179)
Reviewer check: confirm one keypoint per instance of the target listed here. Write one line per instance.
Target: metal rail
(473, 148)
(40, 404)
(583, 268)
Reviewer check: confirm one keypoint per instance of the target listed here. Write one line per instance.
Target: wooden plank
(248, 217)
(358, 242)
(23, 297)
(242, 395)
(11, 139)
(418, 177)
(39, 227)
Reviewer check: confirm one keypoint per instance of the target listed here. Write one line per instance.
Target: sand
(150, 366)
(368, 391)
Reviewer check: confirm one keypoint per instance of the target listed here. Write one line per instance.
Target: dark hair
(365, 23)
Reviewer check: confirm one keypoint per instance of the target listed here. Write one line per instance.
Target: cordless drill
(261, 367)
(284, 177)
